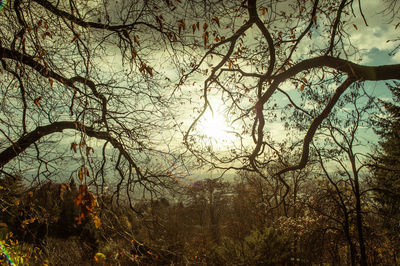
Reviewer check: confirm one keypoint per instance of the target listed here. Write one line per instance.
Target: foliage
(386, 170)
(387, 160)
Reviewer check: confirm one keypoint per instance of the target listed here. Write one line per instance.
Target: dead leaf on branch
(37, 101)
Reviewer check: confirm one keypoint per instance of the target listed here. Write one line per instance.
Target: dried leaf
(355, 26)
(73, 146)
(88, 149)
(37, 100)
(149, 70)
(205, 37)
(216, 20)
(134, 53)
(263, 11)
(136, 39)
(80, 175)
(83, 172)
(314, 19)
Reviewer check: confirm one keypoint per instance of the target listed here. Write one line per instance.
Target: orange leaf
(304, 79)
(194, 27)
(263, 11)
(78, 199)
(37, 100)
(51, 82)
(302, 87)
(83, 172)
(205, 26)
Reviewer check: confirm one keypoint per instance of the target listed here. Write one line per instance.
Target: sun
(215, 127)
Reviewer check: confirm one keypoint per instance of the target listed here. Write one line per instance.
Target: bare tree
(81, 93)
(265, 49)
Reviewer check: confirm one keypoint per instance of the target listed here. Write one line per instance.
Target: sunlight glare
(215, 127)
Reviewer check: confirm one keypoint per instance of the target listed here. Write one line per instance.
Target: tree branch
(25, 141)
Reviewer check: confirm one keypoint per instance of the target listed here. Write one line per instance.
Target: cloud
(375, 56)
(375, 40)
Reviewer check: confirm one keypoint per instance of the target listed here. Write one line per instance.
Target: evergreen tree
(386, 167)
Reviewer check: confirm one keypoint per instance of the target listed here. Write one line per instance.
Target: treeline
(212, 223)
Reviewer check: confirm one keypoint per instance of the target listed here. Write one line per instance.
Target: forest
(199, 132)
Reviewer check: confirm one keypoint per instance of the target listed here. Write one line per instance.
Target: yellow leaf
(96, 221)
(99, 257)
